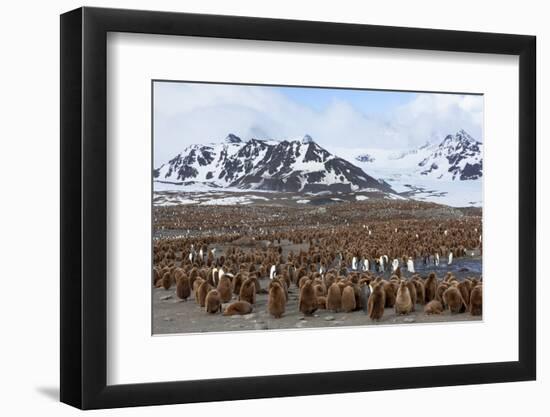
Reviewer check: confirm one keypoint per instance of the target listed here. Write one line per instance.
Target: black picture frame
(84, 207)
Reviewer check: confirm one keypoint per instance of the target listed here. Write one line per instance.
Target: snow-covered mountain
(286, 166)
(458, 157)
(449, 171)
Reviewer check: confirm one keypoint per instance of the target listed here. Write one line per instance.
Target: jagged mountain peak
(299, 165)
(231, 138)
(457, 157)
(459, 138)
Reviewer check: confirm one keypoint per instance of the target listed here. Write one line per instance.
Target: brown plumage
(196, 285)
(476, 301)
(167, 280)
(433, 307)
(358, 297)
(213, 302)
(412, 293)
(248, 291)
(403, 301)
(203, 290)
(183, 289)
(334, 298)
(276, 300)
(430, 287)
(453, 300)
(225, 289)
(348, 299)
(464, 288)
(420, 291)
(376, 302)
(308, 301)
(319, 290)
(237, 283)
(302, 281)
(441, 288)
(390, 293)
(283, 285)
(238, 308)
(156, 276)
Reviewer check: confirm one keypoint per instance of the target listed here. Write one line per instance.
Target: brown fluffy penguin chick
(319, 290)
(196, 285)
(433, 307)
(334, 298)
(203, 290)
(225, 289)
(430, 287)
(238, 308)
(412, 292)
(329, 280)
(322, 302)
(420, 292)
(284, 277)
(441, 288)
(390, 293)
(178, 273)
(403, 302)
(156, 276)
(283, 285)
(237, 283)
(348, 299)
(308, 300)
(183, 289)
(213, 302)
(464, 288)
(302, 281)
(476, 301)
(453, 300)
(358, 297)
(167, 280)
(377, 301)
(248, 291)
(276, 300)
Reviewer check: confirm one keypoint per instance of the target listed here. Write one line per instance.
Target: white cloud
(432, 116)
(202, 113)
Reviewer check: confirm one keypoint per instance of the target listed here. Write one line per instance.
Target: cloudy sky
(189, 113)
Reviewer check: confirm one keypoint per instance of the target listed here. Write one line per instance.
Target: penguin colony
(352, 264)
(236, 287)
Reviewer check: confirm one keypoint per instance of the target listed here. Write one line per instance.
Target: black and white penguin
(410, 265)
(395, 265)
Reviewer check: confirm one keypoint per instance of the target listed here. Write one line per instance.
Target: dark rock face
(231, 138)
(471, 172)
(285, 166)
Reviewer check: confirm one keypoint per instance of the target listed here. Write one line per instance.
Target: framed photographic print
(314, 207)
